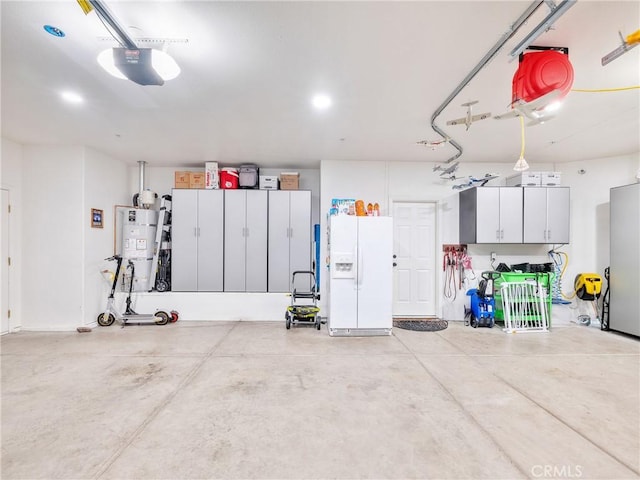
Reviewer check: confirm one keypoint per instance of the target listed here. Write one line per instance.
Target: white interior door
(4, 258)
(414, 245)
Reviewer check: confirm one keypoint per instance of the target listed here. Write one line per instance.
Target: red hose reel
(541, 72)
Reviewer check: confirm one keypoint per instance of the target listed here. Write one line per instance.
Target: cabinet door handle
(548, 234)
(497, 234)
(501, 234)
(195, 231)
(247, 229)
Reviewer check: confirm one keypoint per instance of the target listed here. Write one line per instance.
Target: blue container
(482, 309)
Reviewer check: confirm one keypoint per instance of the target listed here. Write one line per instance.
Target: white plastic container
(550, 179)
(524, 179)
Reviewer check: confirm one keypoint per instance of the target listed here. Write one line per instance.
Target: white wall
(57, 256)
(61, 287)
(388, 181)
(589, 249)
(52, 273)
(11, 179)
(105, 185)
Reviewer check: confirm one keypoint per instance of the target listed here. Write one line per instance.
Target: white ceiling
(249, 70)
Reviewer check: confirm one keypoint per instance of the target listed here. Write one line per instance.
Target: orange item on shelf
(360, 208)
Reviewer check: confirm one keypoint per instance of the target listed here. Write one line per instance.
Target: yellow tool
(588, 286)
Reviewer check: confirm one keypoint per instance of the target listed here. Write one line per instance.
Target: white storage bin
(524, 179)
(550, 179)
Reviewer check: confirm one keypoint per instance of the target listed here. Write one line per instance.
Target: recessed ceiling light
(321, 101)
(55, 31)
(71, 97)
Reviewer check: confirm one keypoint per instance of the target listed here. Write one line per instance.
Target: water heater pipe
(141, 169)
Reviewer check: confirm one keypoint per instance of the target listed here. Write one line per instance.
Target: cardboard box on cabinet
(182, 179)
(289, 180)
(196, 180)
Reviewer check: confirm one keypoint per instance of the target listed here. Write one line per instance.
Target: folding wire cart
(525, 307)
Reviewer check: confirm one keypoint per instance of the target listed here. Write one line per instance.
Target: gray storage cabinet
(197, 240)
(624, 302)
(289, 236)
(546, 215)
(245, 240)
(491, 215)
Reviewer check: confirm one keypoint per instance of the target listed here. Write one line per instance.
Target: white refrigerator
(360, 292)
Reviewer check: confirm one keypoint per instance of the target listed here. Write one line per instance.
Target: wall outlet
(493, 257)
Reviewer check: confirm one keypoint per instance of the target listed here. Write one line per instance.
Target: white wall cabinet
(491, 215)
(245, 241)
(546, 215)
(289, 236)
(197, 240)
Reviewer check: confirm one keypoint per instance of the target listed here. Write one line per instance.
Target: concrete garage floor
(252, 400)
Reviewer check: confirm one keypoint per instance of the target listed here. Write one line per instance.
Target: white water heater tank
(138, 245)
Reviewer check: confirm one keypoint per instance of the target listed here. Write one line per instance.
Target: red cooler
(229, 178)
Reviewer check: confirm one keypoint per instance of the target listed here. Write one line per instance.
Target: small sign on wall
(97, 217)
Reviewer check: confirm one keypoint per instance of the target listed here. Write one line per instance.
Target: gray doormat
(421, 324)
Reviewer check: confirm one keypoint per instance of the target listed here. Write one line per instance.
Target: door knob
(395, 264)
(395, 256)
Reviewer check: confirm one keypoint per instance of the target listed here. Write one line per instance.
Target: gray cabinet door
(279, 231)
(210, 240)
(535, 215)
(256, 241)
(184, 241)
(234, 240)
(487, 215)
(510, 215)
(491, 215)
(546, 215)
(558, 214)
(300, 233)
(289, 237)
(625, 259)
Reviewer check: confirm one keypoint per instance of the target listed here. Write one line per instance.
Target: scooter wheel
(287, 322)
(174, 316)
(105, 322)
(164, 318)
(473, 321)
(162, 286)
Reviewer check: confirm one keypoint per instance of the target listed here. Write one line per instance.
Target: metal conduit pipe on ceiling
(486, 59)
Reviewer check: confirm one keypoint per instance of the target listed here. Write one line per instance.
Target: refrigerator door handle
(359, 269)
